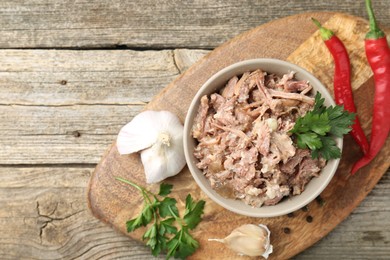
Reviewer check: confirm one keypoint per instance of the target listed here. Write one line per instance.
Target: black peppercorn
(320, 201)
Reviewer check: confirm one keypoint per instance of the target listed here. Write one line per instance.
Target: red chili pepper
(378, 56)
(342, 81)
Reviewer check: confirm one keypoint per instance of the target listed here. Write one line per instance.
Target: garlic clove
(250, 240)
(138, 134)
(267, 245)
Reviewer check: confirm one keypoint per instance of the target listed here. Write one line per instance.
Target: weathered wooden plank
(57, 176)
(64, 134)
(150, 24)
(62, 106)
(64, 77)
(43, 215)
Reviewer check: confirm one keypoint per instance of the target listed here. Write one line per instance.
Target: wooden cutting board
(295, 39)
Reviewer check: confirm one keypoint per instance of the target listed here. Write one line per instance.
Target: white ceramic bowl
(217, 81)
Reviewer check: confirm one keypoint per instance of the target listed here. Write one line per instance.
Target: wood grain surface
(72, 72)
(114, 203)
(150, 24)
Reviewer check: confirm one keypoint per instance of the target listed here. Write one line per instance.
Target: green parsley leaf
(315, 129)
(318, 104)
(329, 149)
(152, 242)
(158, 248)
(309, 140)
(161, 244)
(193, 212)
(135, 223)
(300, 126)
(184, 250)
(187, 245)
(147, 213)
(167, 227)
(320, 124)
(182, 244)
(341, 121)
(187, 239)
(335, 112)
(150, 233)
(165, 189)
(167, 207)
(172, 245)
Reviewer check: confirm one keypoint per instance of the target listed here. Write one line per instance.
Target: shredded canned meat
(244, 147)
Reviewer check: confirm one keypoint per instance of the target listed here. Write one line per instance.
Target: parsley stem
(130, 183)
(156, 222)
(174, 215)
(142, 190)
(177, 218)
(146, 198)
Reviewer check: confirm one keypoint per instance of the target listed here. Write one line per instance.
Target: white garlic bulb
(250, 240)
(159, 137)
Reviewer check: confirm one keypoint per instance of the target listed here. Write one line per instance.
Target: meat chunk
(288, 95)
(224, 109)
(228, 90)
(290, 166)
(263, 137)
(276, 193)
(288, 84)
(308, 169)
(243, 119)
(199, 122)
(284, 144)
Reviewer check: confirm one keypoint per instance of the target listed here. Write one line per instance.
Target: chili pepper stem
(374, 32)
(326, 34)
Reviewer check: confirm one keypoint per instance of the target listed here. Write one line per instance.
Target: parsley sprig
(316, 129)
(161, 212)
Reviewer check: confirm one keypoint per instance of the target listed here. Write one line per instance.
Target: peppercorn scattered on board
(295, 39)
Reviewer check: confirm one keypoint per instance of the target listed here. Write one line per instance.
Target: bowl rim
(211, 193)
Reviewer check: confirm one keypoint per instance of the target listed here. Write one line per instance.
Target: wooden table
(72, 73)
